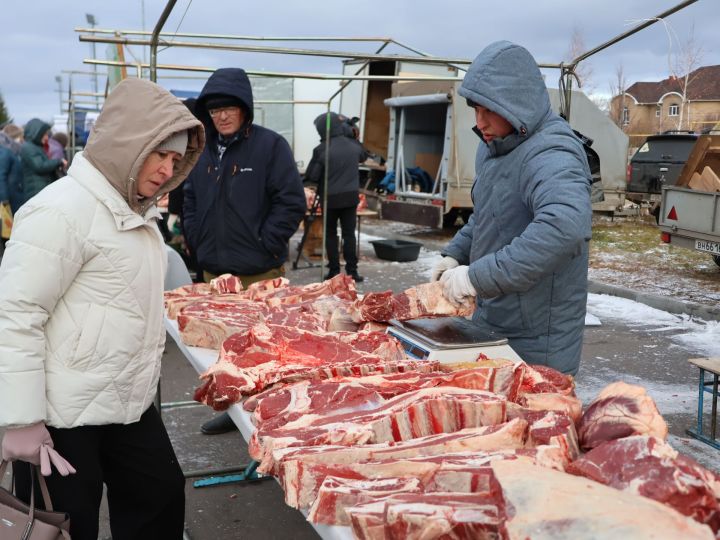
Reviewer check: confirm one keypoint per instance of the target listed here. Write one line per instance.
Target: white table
(201, 359)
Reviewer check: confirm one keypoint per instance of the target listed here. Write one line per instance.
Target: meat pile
(359, 435)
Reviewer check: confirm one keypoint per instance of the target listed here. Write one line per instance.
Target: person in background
(244, 199)
(38, 169)
(57, 144)
(343, 188)
(11, 178)
(524, 251)
(81, 323)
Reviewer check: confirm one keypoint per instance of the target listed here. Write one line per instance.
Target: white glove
(457, 287)
(446, 263)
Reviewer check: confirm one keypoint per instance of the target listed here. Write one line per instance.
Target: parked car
(657, 163)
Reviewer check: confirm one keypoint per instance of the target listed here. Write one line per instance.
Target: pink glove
(34, 445)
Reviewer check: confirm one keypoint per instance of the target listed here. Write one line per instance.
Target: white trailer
(432, 129)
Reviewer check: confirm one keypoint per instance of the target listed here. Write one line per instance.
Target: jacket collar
(92, 179)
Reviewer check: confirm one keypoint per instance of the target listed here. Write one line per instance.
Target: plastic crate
(396, 250)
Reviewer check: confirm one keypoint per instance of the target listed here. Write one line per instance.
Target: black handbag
(20, 521)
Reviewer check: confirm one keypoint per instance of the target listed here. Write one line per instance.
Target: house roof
(704, 84)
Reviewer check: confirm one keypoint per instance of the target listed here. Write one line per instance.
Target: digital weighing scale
(449, 340)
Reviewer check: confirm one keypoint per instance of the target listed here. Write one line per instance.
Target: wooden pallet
(706, 153)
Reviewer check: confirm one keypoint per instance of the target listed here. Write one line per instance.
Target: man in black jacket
(343, 185)
(244, 199)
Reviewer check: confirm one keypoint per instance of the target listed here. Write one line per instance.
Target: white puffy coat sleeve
(42, 259)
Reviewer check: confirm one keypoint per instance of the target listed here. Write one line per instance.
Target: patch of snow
(697, 335)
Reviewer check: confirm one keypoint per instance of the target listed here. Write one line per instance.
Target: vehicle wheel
(716, 258)
(450, 218)
(656, 212)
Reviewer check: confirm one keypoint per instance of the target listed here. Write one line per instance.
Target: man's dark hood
(337, 125)
(227, 82)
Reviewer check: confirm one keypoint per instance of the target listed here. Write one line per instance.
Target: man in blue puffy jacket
(524, 251)
(244, 199)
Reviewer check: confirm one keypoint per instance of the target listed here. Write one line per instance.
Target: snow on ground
(696, 335)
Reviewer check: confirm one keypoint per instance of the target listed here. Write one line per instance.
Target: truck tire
(656, 212)
(450, 218)
(716, 258)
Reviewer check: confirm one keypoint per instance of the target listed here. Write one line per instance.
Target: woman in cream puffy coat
(81, 333)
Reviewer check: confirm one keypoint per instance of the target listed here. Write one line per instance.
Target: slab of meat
(548, 428)
(650, 467)
(541, 503)
(268, 354)
(301, 478)
(422, 301)
(337, 493)
(427, 516)
(508, 435)
(543, 379)
(620, 410)
(569, 405)
(322, 397)
(335, 311)
(267, 287)
(416, 414)
(226, 284)
(208, 323)
(341, 286)
(182, 296)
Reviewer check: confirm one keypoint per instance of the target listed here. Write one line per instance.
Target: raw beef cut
(183, 296)
(416, 414)
(507, 435)
(569, 405)
(337, 493)
(543, 379)
(335, 311)
(650, 467)
(540, 503)
(341, 286)
(226, 284)
(301, 478)
(304, 397)
(422, 301)
(427, 516)
(548, 428)
(207, 323)
(265, 355)
(620, 410)
(261, 289)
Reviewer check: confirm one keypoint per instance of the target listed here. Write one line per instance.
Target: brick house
(653, 107)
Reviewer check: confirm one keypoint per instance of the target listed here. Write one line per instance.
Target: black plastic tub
(396, 250)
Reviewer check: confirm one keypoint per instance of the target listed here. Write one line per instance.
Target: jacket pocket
(87, 348)
(521, 314)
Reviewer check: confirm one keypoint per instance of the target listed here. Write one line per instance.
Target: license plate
(710, 247)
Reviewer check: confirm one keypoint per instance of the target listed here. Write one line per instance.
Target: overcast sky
(39, 41)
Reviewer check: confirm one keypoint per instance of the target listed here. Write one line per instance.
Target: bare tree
(685, 61)
(617, 89)
(584, 70)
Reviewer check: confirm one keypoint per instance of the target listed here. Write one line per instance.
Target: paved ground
(612, 351)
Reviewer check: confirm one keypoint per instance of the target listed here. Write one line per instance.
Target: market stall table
(201, 359)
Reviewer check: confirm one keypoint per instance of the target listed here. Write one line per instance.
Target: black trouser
(145, 485)
(347, 217)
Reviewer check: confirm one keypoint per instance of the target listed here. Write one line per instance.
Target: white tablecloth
(201, 359)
